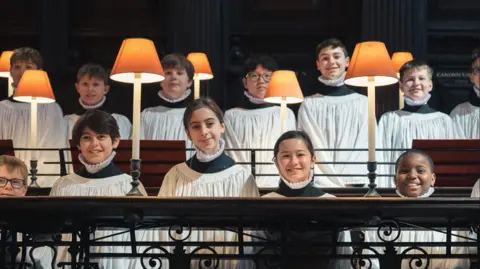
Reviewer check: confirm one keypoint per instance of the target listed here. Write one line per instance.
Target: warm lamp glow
(400, 58)
(5, 64)
(137, 56)
(370, 60)
(34, 84)
(283, 87)
(200, 62)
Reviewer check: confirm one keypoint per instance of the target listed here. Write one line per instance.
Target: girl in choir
(467, 115)
(256, 123)
(92, 86)
(164, 121)
(416, 120)
(96, 134)
(415, 178)
(335, 117)
(210, 172)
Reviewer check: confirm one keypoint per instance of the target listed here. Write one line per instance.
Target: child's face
(96, 147)
(294, 160)
(18, 188)
(414, 176)
(257, 81)
(91, 89)
(475, 74)
(205, 130)
(416, 83)
(332, 63)
(176, 82)
(17, 69)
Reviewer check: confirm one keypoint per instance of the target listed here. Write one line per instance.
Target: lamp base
(33, 172)
(372, 192)
(135, 173)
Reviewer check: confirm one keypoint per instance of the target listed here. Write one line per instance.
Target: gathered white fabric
(124, 125)
(398, 129)
(205, 157)
(253, 99)
(467, 117)
(169, 100)
(51, 133)
(425, 195)
(298, 185)
(337, 122)
(333, 82)
(92, 106)
(95, 168)
(477, 91)
(422, 102)
(75, 185)
(163, 123)
(256, 129)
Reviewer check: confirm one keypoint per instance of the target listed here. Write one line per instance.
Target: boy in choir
(335, 117)
(15, 120)
(415, 178)
(96, 134)
(416, 120)
(256, 123)
(92, 86)
(210, 172)
(164, 122)
(466, 116)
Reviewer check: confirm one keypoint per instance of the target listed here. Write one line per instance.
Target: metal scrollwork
(271, 261)
(359, 260)
(178, 230)
(153, 262)
(417, 262)
(54, 255)
(386, 228)
(207, 262)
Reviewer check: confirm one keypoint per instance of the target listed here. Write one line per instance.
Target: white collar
(167, 99)
(477, 91)
(93, 106)
(411, 102)
(333, 82)
(253, 99)
(425, 195)
(95, 168)
(298, 185)
(205, 157)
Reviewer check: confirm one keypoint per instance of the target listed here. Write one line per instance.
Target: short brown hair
(92, 70)
(204, 102)
(27, 54)
(415, 64)
(176, 60)
(331, 42)
(98, 121)
(13, 163)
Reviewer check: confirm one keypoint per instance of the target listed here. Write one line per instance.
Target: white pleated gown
(337, 122)
(51, 132)
(399, 128)
(256, 129)
(466, 117)
(75, 185)
(164, 123)
(181, 180)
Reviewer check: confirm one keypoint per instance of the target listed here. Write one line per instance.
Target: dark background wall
(71, 33)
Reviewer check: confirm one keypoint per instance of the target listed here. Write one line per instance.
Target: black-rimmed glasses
(16, 183)
(256, 77)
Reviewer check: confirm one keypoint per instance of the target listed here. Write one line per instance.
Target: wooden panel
(158, 157)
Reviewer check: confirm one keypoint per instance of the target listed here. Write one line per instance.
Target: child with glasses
(467, 115)
(13, 176)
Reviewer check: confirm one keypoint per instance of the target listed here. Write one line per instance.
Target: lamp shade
(5, 63)
(137, 56)
(400, 58)
(283, 87)
(201, 64)
(34, 83)
(370, 59)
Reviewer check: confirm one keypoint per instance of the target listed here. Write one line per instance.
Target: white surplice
(467, 118)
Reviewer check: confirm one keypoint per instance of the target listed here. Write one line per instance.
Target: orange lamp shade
(137, 56)
(201, 64)
(370, 59)
(5, 63)
(400, 58)
(34, 84)
(283, 87)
